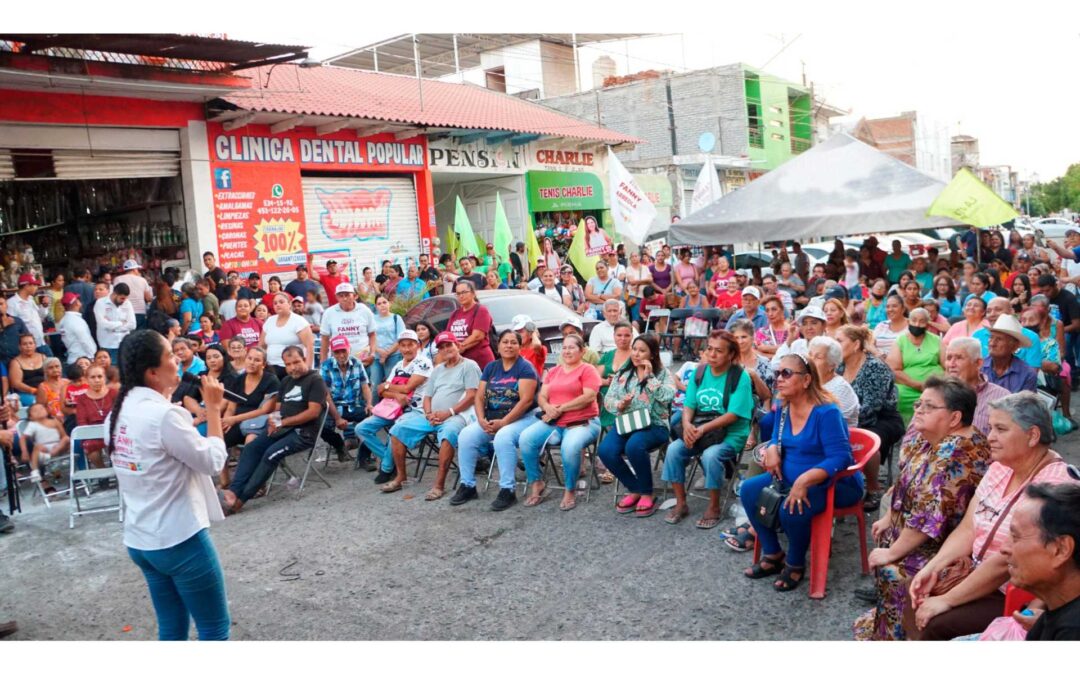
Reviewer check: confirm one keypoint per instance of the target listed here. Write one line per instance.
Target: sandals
(677, 515)
(537, 499)
(759, 570)
(739, 538)
(787, 581)
(393, 486)
(646, 506)
(704, 523)
(627, 504)
(606, 477)
(566, 505)
(434, 494)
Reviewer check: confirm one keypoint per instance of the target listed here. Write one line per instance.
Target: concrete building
(965, 153)
(922, 144)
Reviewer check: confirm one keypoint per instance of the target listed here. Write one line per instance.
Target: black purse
(771, 499)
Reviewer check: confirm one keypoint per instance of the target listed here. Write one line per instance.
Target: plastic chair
(1016, 599)
(76, 473)
(864, 445)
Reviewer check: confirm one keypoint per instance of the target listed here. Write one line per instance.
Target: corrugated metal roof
(348, 93)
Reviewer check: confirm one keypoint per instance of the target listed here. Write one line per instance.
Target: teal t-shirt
(895, 266)
(709, 398)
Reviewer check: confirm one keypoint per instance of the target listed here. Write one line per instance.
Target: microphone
(188, 378)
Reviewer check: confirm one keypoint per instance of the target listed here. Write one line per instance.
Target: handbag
(388, 408)
(715, 436)
(772, 497)
(635, 420)
(696, 327)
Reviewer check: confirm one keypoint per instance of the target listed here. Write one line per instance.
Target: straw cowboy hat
(1007, 324)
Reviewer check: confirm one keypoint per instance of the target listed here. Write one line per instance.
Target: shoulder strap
(699, 374)
(735, 373)
(1005, 511)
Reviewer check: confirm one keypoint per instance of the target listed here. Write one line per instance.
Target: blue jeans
(572, 442)
(628, 456)
(379, 371)
(474, 441)
(259, 460)
(411, 428)
(635, 311)
(797, 526)
(712, 463)
(186, 583)
(367, 431)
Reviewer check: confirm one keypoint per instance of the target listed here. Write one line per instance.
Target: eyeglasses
(460, 293)
(785, 373)
(919, 406)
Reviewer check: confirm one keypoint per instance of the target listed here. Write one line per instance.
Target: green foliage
(1061, 193)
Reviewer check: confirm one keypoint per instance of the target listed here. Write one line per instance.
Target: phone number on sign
(278, 211)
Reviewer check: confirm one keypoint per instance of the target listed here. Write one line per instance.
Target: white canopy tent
(841, 187)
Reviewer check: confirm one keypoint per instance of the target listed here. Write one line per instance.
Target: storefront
(280, 199)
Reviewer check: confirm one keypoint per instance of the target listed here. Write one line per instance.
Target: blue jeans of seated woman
(797, 526)
(572, 441)
(379, 372)
(474, 441)
(712, 463)
(628, 456)
(186, 583)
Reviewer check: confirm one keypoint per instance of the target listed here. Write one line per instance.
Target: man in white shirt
(537, 280)
(602, 338)
(24, 305)
(74, 331)
(115, 319)
(352, 320)
(138, 290)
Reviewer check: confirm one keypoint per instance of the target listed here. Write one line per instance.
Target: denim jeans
(367, 431)
(797, 525)
(186, 583)
(628, 456)
(572, 442)
(379, 371)
(712, 463)
(474, 441)
(259, 460)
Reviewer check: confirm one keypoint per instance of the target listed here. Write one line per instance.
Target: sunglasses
(785, 373)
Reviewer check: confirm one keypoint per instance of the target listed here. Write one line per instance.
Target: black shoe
(343, 456)
(872, 502)
(464, 493)
(867, 594)
(5, 524)
(384, 477)
(483, 464)
(505, 499)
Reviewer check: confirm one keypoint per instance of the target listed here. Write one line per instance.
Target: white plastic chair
(95, 432)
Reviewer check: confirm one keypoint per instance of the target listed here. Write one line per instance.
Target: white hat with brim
(1007, 324)
(811, 312)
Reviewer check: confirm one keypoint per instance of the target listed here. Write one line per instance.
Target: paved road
(379, 567)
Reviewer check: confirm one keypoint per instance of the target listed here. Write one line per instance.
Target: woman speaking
(163, 467)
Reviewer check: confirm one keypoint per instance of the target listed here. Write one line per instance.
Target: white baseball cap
(131, 265)
(752, 290)
(344, 287)
(406, 334)
(520, 321)
(572, 321)
(811, 312)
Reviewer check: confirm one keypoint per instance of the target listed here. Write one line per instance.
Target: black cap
(301, 266)
(331, 262)
(253, 275)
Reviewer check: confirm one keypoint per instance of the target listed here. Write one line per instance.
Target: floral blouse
(767, 336)
(875, 385)
(655, 396)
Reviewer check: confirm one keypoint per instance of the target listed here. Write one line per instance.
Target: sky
(1006, 74)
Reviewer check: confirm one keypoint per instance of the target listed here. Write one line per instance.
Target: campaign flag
(463, 228)
(504, 239)
(631, 209)
(969, 200)
(532, 247)
(584, 263)
(707, 188)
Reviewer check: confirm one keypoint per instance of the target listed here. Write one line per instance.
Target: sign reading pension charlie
(448, 156)
(564, 191)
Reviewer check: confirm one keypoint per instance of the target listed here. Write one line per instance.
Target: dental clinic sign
(259, 208)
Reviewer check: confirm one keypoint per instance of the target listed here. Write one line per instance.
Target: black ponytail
(140, 351)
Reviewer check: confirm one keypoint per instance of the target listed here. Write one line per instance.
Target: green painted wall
(776, 126)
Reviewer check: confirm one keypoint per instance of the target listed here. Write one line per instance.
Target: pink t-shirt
(564, 387)
(726, 300)
(721, 282)
(990, 500)
(248, 331)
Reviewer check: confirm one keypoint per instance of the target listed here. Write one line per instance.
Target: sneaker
(5, 524)
(384, 477)
(504, 500)
(464, 493)
(35, 476)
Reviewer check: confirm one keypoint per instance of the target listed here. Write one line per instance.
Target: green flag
(969, 200)
(504, 239)
(463, 228)
(532, 247)
(585, 264)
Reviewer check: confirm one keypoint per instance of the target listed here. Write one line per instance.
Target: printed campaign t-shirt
(462, 323)
(709, 398)
(564, 387)
(421, 365)
(248, 331)
(356, 325)
(502, 390)
(295, 396)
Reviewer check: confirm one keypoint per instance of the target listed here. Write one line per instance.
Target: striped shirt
(988, 392)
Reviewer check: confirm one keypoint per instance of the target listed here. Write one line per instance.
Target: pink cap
(444, 337)
(339, 342)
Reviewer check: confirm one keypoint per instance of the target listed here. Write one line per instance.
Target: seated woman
(568, 413)
(50, 393)
(809, 447)
(826, 356)
(76, 386)
(1021, 432)
(715, 424)
(92, 408)
(611, 362)
(258, 386)
(915, 356)
(218, 365)
(504, 402)
(941, 464)
(26, 371)
(641, 384)
(894, 325)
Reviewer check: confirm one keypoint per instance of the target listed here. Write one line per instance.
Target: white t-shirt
(356, 325)
(845, 398)
(27, 311)
(280, 337)
(75, 333)
(554, 294)
(113, 323)
(641, 274)
(421, 365)
(602, 337)
(685, 374)
(227, 310)
(138, 287)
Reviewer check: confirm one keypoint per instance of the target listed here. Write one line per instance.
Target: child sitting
(46, 438)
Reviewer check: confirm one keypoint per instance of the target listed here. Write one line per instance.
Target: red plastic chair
(864, 445)
(1016, 599)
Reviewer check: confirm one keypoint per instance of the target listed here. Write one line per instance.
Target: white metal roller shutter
(367, 219)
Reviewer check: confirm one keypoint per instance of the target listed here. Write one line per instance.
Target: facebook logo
(223, 179)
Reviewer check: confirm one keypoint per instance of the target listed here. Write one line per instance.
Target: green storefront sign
(564, 191)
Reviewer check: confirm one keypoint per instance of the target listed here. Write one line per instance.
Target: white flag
(707, 187)
(631, 209)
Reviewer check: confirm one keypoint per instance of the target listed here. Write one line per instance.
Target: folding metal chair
(309, 466)
(588, 458)
(656, 315)
(44, 468)
(82, 475)
(427, 454)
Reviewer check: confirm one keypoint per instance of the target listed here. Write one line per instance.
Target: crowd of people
(964, 362)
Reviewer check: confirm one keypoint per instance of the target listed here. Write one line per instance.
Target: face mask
(917, 331)
(878, 296)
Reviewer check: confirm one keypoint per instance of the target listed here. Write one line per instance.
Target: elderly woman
(894, 325)
(974, 319)
(642, 386)
(941, 464)
(751, 360)
(875, 386)
(50, 393)
(569, 416)
(1021, 432)
(715, 424)
(826, 356)
(810, 445)
(916, 355)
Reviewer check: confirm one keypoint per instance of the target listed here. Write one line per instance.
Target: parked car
(1054, 228)
(504, 305)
